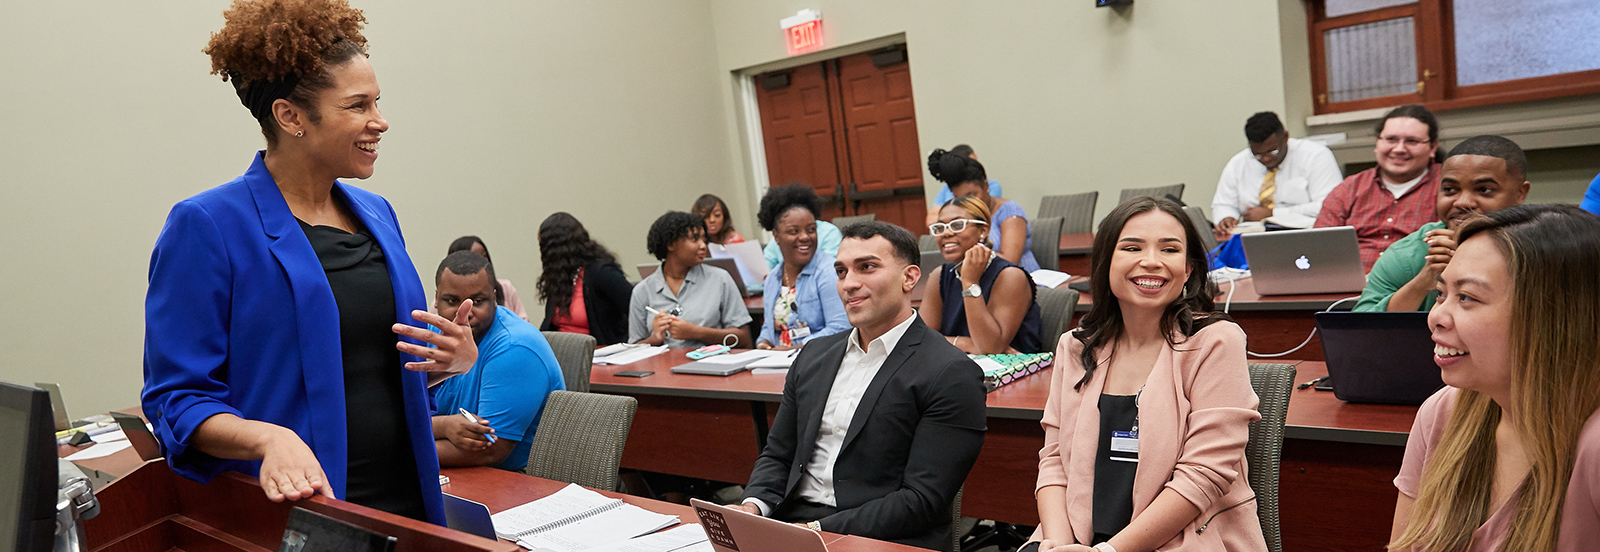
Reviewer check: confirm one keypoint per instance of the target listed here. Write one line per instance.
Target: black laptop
(1379, 357)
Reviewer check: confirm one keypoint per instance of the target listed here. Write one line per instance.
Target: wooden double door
(847, 127)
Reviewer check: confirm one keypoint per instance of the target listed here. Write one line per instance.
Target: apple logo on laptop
(1302, 263)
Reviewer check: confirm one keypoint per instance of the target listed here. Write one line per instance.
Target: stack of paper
(631, 356)
(1050, 279)
(576, 519)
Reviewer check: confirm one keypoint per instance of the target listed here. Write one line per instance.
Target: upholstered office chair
(842, 222)
(1076, 211)
(1055, 314)
(927, 243)
(1202, 225)
(955, 521)
(1272, 383)
(580, 438)
(575, 354)
(1174, 191)
(1046, 245)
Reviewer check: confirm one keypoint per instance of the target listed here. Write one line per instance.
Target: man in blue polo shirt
(506, 389)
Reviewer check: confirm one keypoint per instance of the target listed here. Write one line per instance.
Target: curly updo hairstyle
(671, 227)
(564, 248)
(781, 199)
(267, 41)
(954, 169)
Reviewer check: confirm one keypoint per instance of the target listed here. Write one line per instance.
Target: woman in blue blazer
(274, 299)
(801, 294)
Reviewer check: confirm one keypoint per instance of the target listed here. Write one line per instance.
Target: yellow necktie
(1268, 186)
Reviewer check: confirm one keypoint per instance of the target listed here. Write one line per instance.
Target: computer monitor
(27, 470)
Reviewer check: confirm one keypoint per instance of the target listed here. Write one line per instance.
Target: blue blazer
(239, 319)
(816, 296)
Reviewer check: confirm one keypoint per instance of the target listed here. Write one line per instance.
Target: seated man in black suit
(878, 426)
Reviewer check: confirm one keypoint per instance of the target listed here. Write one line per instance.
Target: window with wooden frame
(1448, 54)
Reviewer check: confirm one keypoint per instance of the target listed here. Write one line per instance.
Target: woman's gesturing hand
(454, 350)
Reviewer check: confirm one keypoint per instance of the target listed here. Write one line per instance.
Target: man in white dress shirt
(878, 426)
(1277, 176)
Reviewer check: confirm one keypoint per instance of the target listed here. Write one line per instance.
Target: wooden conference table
(1336, 475)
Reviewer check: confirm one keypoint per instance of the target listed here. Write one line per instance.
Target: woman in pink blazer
(1150, 403)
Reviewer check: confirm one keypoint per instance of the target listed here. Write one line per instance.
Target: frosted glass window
(1497, 40)
(1372, 60)
(1336, 8)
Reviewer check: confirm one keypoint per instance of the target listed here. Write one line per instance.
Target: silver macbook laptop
(1292, 262)
(732, 530)
(727, 264)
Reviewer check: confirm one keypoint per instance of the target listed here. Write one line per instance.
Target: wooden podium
(153, 509)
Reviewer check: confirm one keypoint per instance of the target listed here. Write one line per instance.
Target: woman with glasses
(802, 297)
(1150, 403)
(983, 303)
(1507, 456)
(1010, 235)
(684, 303)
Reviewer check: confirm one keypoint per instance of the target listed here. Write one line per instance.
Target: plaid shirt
(1380, 218)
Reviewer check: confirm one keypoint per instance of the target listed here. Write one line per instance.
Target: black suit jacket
(606, 293)
(909, 446)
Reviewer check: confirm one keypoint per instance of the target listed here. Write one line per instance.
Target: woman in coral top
(1150, 403)
(1507, 456)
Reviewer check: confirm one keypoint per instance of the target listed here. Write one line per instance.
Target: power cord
(1302, 343)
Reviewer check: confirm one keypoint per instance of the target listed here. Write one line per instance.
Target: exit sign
(803, 31)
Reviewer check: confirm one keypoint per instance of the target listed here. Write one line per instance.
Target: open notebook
(574, 519)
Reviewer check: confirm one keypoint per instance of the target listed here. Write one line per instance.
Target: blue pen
(474, 419)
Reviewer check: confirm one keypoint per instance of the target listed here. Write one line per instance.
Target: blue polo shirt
(516, 370)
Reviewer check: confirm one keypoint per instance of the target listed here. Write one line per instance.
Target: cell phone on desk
(634, 373)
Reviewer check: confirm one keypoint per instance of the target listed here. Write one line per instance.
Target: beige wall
(502, 112)
(1059, 96)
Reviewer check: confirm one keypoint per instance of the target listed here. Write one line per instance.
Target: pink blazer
(1194, 416)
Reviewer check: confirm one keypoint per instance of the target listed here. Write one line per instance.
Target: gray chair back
(575, 354)
(1202, 225)
(842, 222)
(927, 243)
(580, 439)
(1055, 314)
(1076, 211)
(1175, 191)
(1272, 383)
(1046, 245)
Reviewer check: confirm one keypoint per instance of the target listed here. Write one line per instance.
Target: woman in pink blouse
(1507, 457)
(1150, 403)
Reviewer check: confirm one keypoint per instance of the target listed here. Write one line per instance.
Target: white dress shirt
(849, 384)
(1306, 176)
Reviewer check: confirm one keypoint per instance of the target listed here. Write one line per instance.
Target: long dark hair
(1193, 310)
(465, 243)
(703, 207)
(564, 248)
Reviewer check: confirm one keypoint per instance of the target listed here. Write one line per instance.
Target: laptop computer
(727, 264)
(1318, 260)
(721, 365)
(732, 530)
(1379, 357)
(467, 516)
(59, 406)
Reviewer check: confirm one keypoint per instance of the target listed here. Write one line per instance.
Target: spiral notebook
(574, 519)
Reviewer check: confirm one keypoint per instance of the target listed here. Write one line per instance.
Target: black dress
(954, 317)
(1113, 469)
(382, 471)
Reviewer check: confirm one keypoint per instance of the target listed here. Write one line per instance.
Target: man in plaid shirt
(1387, 202)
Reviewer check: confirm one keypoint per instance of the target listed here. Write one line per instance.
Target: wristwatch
(972, 291)
(814, 526)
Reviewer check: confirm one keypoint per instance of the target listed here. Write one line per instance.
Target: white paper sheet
(631, 357)
(100, 451)
(1047, 278)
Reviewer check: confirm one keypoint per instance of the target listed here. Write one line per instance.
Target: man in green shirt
(1481, 175)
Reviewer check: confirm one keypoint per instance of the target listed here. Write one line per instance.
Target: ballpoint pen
(474, 419)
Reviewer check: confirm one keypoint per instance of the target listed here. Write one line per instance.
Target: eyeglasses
(1268, 155)
(957, 225)
(1392, 141)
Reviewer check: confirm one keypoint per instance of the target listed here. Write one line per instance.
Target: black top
(606, 292)
(1113, 479)
(954, 319)
(382, 471)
